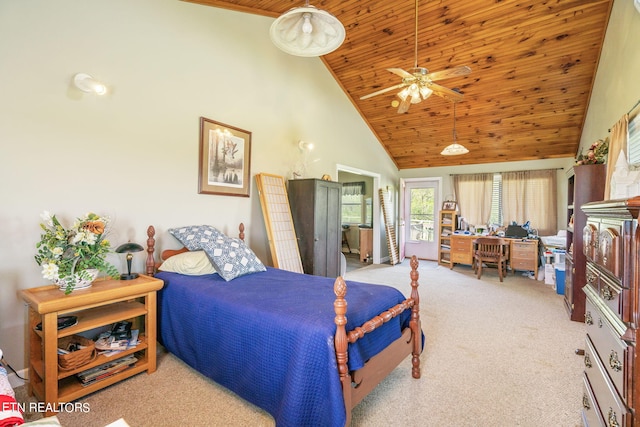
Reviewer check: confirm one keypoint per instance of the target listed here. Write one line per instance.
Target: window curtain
(353, 188)
(531, 196)
(473, 194)
(617, 144)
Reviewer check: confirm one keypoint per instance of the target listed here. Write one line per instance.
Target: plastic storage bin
(558, 257)
(560, 280)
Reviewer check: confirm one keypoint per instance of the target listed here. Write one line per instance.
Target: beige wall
(133, 154)
(617, 86)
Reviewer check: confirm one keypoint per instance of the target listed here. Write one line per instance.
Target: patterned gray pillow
(231, 257)
(193, 236)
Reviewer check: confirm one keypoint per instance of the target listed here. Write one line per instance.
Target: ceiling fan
(418, 83)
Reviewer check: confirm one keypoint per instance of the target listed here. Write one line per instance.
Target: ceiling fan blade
(398, 86)
(400, 72)
(445, 93)
(404, 105)
(451, 72)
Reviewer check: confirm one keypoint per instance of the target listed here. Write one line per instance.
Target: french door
(420, 208)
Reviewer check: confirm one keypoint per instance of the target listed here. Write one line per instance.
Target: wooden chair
(491, 250)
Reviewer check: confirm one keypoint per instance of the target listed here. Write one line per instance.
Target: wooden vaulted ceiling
(533, 65)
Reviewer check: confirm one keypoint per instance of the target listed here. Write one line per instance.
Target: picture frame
(225, 158)
(449, 205)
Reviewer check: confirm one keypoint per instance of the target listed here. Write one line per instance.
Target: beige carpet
(496, 354)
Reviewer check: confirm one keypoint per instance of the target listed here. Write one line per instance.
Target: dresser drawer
(611, 294)
(521, 249)
(463, 244)
(591, 416)
(522, 264)
(609, 404)
(609, 348)
(609, 291)
(609, 248)
(590, 240)
(461, 250)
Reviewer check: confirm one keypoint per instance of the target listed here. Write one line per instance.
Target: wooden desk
(523, 254)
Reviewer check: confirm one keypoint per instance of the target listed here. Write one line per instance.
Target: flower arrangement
(596, 154)
(65, 255)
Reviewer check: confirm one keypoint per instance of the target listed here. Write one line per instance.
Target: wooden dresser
(611, 240)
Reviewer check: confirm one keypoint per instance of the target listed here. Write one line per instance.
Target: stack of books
(106, 370)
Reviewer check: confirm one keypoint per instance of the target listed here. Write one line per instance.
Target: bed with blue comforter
(278, 339)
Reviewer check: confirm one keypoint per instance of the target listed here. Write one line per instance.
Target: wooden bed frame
(356, 385)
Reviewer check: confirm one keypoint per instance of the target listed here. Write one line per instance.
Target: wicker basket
(77, 358)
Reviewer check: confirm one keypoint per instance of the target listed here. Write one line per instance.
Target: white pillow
(192, 263)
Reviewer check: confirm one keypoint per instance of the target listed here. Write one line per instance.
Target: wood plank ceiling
(533, 65)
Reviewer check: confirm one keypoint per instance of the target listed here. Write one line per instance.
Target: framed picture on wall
(225, 154)
(449, 206)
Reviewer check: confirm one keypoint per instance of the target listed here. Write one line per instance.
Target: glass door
(421, 199)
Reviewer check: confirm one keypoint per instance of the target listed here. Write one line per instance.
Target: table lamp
(129, 248)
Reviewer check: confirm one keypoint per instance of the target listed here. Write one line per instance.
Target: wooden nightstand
(106, 302)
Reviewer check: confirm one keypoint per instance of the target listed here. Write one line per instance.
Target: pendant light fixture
(454, 149)
(307, 31)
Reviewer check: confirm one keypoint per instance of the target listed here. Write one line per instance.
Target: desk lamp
(129, 248)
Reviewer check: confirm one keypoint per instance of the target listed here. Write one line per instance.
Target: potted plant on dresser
(73, 257)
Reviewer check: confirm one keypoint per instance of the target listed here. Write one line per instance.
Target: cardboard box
(549, 274)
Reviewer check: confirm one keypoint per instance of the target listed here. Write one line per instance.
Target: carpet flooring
(496, 354)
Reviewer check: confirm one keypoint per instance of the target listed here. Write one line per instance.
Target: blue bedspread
(268, 337)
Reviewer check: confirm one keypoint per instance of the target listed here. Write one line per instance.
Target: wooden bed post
(340, 342)
(241, 231)
(151, 244)
(414, 323)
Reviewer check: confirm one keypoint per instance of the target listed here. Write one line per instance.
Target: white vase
(80, 283)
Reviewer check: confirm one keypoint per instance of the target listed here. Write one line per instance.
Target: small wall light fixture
(128, 248)
(88, 84)
(305, 146)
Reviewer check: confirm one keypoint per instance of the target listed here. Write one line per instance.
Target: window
(422, 214)
(352, 209)
(496, 200)
(503, 198)
(633, 144)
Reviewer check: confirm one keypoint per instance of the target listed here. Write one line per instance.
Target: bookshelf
(104, 303)
(447, 224)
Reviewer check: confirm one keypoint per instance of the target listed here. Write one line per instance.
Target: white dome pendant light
(307, 31)
(454, 149)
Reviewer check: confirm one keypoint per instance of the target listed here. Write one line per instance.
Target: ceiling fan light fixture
(425, 92)
(307, 31)
(404, 93)
(421, 80)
